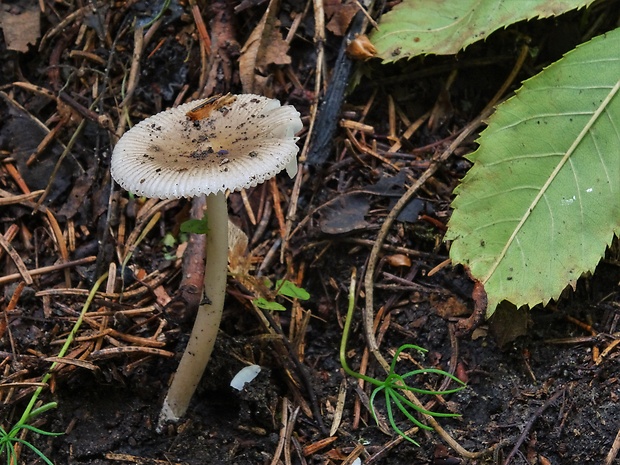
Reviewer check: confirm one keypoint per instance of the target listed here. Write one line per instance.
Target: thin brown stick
(289, 433)
(282, 436)
(98, 354)
(319, 39)
(248, 207)
(58, 361)
(17, 177)
(48, 269)
(46, 141)
(9, 235)
(137, 340)
(389, 446)
(61, 26)
(352, 457)
(60, 242)
(154, 279)
(613, 452)
(24, 384)
(18, 198)
(277, 206)
(17, 260)
(201, 27)
(134, 71)
(530, 423)
(120, 458)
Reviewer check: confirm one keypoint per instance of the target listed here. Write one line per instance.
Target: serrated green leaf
(287, 288)
(542, 200)
(443, 27)
(265, 304)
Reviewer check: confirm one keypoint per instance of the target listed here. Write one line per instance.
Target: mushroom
(207, 146)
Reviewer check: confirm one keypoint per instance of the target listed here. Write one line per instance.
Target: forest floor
(543, 385)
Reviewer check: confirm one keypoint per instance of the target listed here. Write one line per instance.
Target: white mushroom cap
(237, 146)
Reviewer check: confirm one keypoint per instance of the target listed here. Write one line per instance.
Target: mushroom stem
(204, 333)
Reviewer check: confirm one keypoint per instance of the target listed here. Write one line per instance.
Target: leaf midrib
(599, 111)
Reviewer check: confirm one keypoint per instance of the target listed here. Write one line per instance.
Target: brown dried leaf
(448, 306)
(239, 261)
(276, 50)
(20, 25)
(264, 47)
(340, 14)
(344, 215)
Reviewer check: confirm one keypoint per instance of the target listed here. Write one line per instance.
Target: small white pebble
(245, 375)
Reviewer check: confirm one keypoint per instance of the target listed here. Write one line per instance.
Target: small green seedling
(169, 242)
(8, 439)
(394, 383)
(283, 288)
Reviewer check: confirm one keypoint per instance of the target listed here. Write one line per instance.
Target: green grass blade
(39, 431)
(393, 422)
(35, 450)
(401, 349)
(461, 386)
(399, 400)
(39, 410)
(403, 400)
(371, 402)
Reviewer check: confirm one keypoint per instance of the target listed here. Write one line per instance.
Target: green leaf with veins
(542, 201)
(265, 304)
(288, 289)
(195, 226)
(443, 27)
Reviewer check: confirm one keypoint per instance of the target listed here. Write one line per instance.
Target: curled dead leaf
(264, 47)
(361, 48)
(20, 25)
(340, 14)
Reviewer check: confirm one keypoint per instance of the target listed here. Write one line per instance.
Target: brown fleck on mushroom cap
(237, 146)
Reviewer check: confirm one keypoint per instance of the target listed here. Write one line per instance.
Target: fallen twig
(48, 269)
(530, 423)
(613, 452)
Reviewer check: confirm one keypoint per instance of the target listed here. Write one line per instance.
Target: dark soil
(544, 372)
